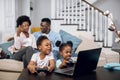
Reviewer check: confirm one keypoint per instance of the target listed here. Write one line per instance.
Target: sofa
(84, 41)
(10, 69)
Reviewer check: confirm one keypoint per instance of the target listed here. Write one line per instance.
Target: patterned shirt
(52, 36)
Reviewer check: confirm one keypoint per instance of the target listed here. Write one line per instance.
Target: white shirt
(41, 63)
(22, 40)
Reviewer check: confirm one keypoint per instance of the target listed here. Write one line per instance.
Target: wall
(2, 15)
(113, 7)
(1, 19)
(26, 7)
(41, 9)
(18, 8)
(22, 7)
(7, 18)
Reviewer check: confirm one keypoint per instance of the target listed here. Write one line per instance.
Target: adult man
(52, 36)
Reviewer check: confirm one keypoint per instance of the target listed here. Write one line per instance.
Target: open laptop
(86, 63)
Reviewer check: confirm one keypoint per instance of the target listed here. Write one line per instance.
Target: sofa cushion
(35, 29)
(5, 47)
(112, 66)
(9, 75)
(11, 65)
(68, 37)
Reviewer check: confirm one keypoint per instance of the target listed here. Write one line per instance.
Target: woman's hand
(19, 30)
(26, 34)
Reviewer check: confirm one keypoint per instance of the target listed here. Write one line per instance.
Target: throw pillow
(68, 37)
(35, 29)
(5, 47)
(112, 66)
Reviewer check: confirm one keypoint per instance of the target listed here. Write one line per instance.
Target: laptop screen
(87, 61)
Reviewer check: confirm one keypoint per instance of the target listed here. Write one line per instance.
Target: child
(65, 52)
(44, 58)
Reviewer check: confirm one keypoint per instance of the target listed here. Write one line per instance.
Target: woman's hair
(40, 40)
(46, 20)
(22, 19)
(63, 45)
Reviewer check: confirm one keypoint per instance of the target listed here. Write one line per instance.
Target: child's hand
(32, 68)
(48, 68)
(65, 61)
(63, 64)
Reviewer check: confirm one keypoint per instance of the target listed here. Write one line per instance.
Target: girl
(65, 52)
(44, 58)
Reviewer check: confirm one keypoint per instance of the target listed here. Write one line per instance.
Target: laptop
(86, 63)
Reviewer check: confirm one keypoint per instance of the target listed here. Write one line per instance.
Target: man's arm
(36, 35)
(57, 38)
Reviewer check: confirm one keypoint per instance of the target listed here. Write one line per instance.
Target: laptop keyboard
(70, 68)
(70, 71)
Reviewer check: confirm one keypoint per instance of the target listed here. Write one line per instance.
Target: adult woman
(24, 42)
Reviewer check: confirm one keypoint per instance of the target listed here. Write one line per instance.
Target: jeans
(24, 55)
